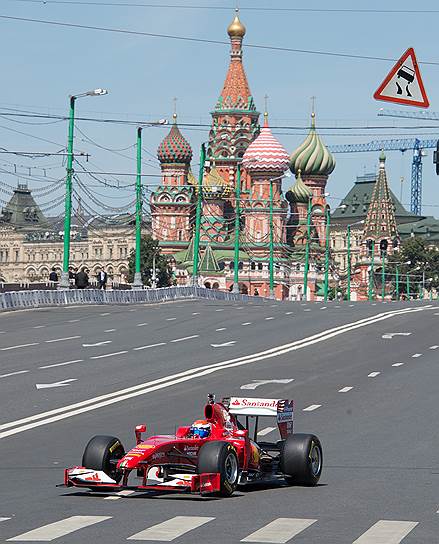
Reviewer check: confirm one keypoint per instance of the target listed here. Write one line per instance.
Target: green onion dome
(174, 149)
(312, 156)
(299, 192)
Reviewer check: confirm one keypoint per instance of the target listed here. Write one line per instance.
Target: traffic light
(436, 158)
(383, 246)
(369, 245)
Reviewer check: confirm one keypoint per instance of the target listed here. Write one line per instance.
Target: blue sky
(41, 65)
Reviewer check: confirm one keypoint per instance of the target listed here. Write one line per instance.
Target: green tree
(148, 248)
(416, 259)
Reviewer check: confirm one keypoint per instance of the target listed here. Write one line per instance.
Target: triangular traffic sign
(403, 84)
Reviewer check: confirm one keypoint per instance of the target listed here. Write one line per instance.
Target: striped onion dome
(265, 153)
(174, 149)
(299, 192)
(312, 156)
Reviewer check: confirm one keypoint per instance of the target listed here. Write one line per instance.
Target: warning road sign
(403, 84)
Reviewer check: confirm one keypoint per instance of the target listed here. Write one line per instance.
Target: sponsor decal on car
(114, 446)
(158, 455)
(191, 451)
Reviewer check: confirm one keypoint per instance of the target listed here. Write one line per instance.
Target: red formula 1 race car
(212, 456)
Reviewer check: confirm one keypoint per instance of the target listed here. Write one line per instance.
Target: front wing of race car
(208, 482)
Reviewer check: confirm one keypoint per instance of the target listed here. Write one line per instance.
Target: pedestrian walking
(53, 276)
(102, 279)
(81, 279)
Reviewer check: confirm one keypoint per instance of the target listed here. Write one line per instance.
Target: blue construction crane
(397, 145)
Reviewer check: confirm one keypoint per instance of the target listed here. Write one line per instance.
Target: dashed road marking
(119, 495)
(279, 531)
(219, 310)
(96, 344)
(311, 408)
(20, 346)
(110, 330)
(323, 307)
(50, 532)
(4, 519)
(267, 430)
(433, 347)
(257, 383)
(397, 364)
(171, 318)
(62, 364)
(246, 323)
(13, 373)
(109, 355)
(142, 324)
(185, 338)
(345, 389)
(62, 339)
(416, 355)
(268, 318)
(224, 344)
(386, 532)
(171, 529)
(373, 374)
(104, 314)
(195, 313)
(149, 346)
(221, 329)
(307, 310)
(39, 327)
(288, 313)
(73, 320)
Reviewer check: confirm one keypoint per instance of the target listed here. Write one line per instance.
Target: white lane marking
(171, 529)
(4, 519)
(374, 304)
(73, 320)
(389, 335)
(433, 347)
(104, 314)
(119, 495)
(268, 318)
(416, 355)
(351, 305)
(64, 527)
(239, 307)
(142, 324)
(436, 314)
(63, 383)
(110, 330)
(195, 313)
(288, 313)
(224, 344)
(267, 430)
(20, 346)
(96, 344)
(30, 422)
(345, 389)
(2, 332)
(373, 374)
(149, 346)
(13, 373)
(220, 310)
(109, 354)
(397, 364)
(221, 329)
(63, 364)
(279, 531)
(323, 307)
(171, 318)
(132, 310)
(311, 408)
(62, 339)
(39, 327)
(186, 338)
(257, 383)
(308, 309)
(246, 323)
(386, 532)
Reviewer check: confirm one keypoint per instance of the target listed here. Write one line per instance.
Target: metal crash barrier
(36, 299)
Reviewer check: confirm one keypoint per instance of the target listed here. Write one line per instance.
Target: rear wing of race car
(282, 409)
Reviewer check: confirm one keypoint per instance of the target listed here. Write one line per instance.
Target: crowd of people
(80, 278)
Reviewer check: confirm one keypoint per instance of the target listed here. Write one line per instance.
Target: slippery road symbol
(64, 383)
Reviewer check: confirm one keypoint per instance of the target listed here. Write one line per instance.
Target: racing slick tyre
(220, 457)
(301, 459)
(103, 453)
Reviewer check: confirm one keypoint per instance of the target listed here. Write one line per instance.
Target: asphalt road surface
(67, 374)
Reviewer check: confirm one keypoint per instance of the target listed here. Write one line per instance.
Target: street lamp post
(407, 279)
(271, 262)
(371, 272)
(64, 282)
(328, 219)
(198, 216)
(237, 221)
(397, 281)
(383, 276)
(349, 264)
(137, 284)
(308, 235)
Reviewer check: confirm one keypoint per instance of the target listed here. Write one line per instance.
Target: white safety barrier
(36, 299)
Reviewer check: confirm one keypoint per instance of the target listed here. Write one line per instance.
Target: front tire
(220, 457)
(301, 459)
(103, 453)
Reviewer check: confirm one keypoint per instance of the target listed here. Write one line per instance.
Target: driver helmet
(200, 429)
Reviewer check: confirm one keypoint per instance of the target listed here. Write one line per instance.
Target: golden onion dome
(236, 28)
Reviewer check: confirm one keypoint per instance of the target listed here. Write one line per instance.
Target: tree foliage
(148, 248)
(418, 261)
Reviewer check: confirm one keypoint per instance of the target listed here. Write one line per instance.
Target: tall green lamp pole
(407, 279)
(237, 221)
(383, 276)
(271, 263)
(326, 287)
(308, 236)
(349, 264)
(397, 281)
(198, 215)
(137, 284)
(371, 272)
(64, 282)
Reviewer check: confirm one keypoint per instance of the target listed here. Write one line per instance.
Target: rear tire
(102, 453)
(301, 459)
(220, 457)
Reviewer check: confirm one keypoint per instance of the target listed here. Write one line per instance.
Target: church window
(180, 235)
(260, 266)
(231, 265)
(173, 222)
(253, 266)
(110, 252)
(298, 267)
(16, 255)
